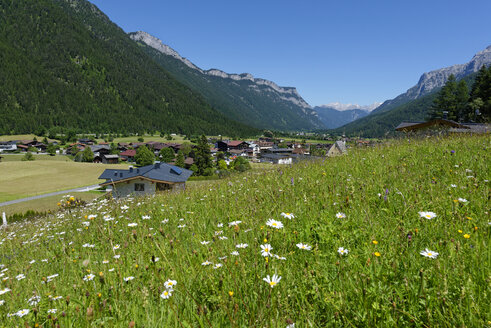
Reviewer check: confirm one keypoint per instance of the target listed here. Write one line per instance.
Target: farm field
(30, 178)
(391, 236)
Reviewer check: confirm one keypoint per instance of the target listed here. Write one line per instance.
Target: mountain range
(415, 102)
(242, 97)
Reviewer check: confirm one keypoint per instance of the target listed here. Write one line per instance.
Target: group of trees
(203, 161)
(455, 102)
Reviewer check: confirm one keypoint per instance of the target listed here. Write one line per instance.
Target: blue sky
(331, 51)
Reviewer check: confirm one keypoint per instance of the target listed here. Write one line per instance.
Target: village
(262, 150)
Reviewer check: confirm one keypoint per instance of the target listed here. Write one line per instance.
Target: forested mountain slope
(64, 64)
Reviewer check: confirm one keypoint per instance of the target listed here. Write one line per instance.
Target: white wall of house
(124, 189)
(287, 160)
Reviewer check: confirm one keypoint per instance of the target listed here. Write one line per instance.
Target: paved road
(81, 189)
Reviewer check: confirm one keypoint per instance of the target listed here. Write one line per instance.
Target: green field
(24, 179)
(357, 251)
(7, 137)
(19, 157)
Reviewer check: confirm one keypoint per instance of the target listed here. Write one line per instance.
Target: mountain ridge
(254, 101)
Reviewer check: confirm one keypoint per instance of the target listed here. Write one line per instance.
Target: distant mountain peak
(287, 93)
(343, 107)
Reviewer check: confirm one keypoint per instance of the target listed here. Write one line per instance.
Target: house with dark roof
(146, 180)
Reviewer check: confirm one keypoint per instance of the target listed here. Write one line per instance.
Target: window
(139, 187)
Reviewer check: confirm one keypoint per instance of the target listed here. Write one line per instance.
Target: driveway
(81, 189)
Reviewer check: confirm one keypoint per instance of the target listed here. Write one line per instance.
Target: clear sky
(331, 51)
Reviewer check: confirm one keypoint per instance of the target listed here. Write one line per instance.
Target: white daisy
(132, 224)
(89, 277)
(428, 253)
(206, 263)
(342, 251)
(166, 294)
(463, 200)
(241, 245)
(169, 284)
(266, 250)
(217, 266)
(128, 278)
(288, 215)
(427, 215)
(272, 281)
(304, 246)
(340, 215)
(22, 313)
(274, 224)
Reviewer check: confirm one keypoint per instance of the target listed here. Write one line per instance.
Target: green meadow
(20, 179)
(392, 236)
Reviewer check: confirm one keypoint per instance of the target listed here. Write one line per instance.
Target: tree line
(456, 102)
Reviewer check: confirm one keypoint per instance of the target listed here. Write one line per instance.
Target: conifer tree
(167, 155)
(180, 159)
(203, 156)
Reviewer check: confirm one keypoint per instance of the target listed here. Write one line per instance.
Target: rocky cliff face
(242, 97)
(437, 78)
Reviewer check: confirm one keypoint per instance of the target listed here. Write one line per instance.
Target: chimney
(157, 165)
(445, 115)
(131, 169)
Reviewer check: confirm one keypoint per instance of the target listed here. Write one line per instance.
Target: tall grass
(382, 281)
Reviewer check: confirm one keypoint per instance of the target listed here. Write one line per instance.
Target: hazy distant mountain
(341, 107)
(334, 115)
(253, 101)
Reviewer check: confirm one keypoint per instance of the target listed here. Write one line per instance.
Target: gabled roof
(235, 143)
(129, 152)
(159, 172)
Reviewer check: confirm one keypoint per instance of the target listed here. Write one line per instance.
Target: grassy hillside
(114, 264)
(24, 179)
(65, 65)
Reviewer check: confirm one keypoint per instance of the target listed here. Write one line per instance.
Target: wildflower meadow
(390, 236)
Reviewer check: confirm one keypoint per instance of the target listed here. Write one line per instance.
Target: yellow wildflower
(374, 242)
(231, 293)
(467, 236)
(377, 254)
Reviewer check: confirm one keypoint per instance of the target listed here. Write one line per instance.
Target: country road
(81, 189)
